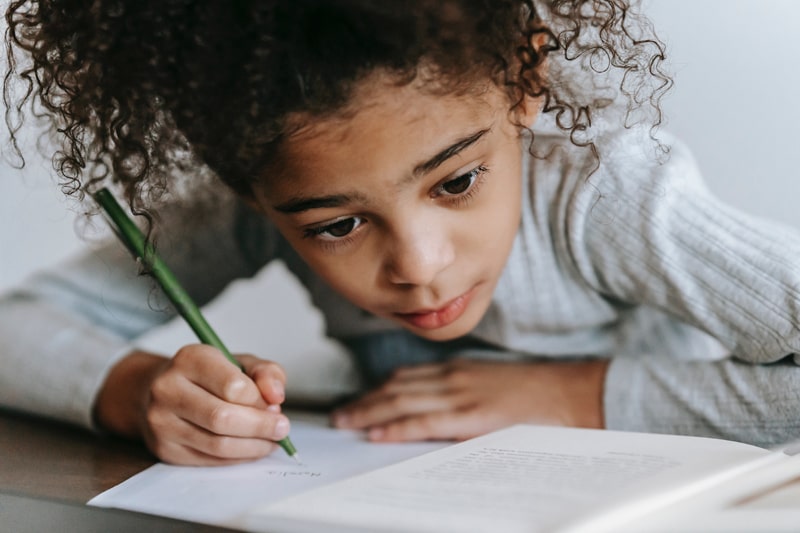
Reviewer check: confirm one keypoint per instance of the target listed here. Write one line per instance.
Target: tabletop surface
(49, 470)
(45, 458)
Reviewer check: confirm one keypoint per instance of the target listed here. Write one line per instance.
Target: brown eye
(341, 228)
(458, 185)
(335, 230)
(462, 184)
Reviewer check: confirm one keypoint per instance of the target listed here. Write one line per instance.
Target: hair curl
(139, 91)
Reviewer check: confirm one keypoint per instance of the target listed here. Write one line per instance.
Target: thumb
(268, 376)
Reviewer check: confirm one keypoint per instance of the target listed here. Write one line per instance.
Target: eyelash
(462, 199)
(457, 199)
(320, 231)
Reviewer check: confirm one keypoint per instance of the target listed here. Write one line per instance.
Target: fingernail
(277, 388)
(281, 428)
(375, 434)
(274, 408)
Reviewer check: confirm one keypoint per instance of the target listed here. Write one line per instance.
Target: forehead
(385, 128)
(379, 100)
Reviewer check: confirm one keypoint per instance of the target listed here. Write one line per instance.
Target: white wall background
(735, 103)
(736, 94)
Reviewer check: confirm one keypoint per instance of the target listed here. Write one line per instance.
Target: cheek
(351, 275)
(348, 280)
(497, 224)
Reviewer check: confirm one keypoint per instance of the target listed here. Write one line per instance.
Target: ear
(531, 107)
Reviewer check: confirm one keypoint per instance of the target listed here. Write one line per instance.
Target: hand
(464, 398)
(196, 408)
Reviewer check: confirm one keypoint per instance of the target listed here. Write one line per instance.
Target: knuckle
(233, 387)
(220, 446)
(160, 389)
(183, 354)
(154, 419)
(219, 418)
(190, 354)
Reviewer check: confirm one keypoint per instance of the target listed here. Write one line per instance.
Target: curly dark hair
(141, 90)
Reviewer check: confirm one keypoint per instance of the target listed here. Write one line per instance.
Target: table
(62, 467)
(50, 459)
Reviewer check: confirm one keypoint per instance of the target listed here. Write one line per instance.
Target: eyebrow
(300, 204)
(451, 151)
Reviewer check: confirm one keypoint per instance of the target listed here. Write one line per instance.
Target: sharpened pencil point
(296, 457)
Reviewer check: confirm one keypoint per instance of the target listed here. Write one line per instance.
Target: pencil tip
(296, 457)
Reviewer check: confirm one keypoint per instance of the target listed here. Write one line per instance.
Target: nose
(418, 254)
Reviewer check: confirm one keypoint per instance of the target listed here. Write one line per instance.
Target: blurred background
(734, 103)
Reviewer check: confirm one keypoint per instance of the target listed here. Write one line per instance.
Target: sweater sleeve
(64, 328)
(651, 234)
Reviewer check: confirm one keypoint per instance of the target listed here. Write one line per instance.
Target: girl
(473, 193)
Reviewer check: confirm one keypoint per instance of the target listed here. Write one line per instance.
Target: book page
(525, 478)
(758, 500)
(219, 495)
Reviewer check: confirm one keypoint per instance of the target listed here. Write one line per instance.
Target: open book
(525, 478)
(534, 478)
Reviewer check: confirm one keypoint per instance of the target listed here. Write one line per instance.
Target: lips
(441, 317)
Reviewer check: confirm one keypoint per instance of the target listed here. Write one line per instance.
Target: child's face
(409, 207)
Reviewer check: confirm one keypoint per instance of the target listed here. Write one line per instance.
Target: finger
(454, 374)
(269, 377)
(393, 390)
(390, 390)
(429, 380)
(433, 369)
(440, 425)
(419, 371)
(385, 408)
(177, 441)
(201, 408)
(209, 369)
(231, 453)
(224, 447)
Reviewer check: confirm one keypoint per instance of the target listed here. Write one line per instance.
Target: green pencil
(135, 240)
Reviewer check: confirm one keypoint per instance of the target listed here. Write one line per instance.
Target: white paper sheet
(522, 479)
(221, 495)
